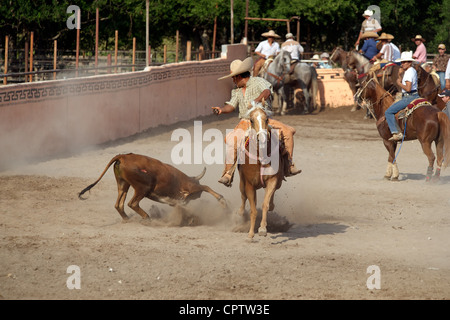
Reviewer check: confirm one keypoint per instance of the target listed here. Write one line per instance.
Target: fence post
(6, 59)
(188, 50)
(134, 54)
(176, 46)
(108, 62)
(26, 59)
(97, 16)
(115, 50)
(165, 54)
(31, 55)
(54, 58)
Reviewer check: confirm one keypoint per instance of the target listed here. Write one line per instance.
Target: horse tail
(314, 88)
(444, 132)
(89, 187)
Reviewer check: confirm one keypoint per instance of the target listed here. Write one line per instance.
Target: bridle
(366, 102)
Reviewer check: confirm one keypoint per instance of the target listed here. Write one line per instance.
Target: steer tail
(89, 187)
(200, 175)
(444, 125)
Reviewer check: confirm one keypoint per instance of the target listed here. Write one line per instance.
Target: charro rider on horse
(250, 89)
(266, 49)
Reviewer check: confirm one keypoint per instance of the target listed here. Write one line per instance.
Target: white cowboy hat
(238, 67)
(315, 57)
(418, 37)
(406, 56)
(368, 13)
(271, 33)
(289, 35)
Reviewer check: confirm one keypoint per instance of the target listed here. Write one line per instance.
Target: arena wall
(55, 118)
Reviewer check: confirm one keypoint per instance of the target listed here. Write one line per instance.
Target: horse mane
(258, 106)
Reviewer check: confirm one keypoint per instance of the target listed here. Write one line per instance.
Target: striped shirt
(254, 87)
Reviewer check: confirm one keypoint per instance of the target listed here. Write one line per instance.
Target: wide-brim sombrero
(238, 67)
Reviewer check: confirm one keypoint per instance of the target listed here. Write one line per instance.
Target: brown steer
(152, 179)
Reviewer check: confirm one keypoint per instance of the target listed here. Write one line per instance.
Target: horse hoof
(394, 179)
(262, 232)
(387, 178)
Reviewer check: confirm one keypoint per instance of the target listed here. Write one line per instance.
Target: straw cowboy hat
(406, 56)
(238, 67)
(369, 34)
(271, 33)
(384, 36)
(418, 37)
(368, 13)
(390, 36)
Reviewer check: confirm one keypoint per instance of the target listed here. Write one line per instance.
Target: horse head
(259, 121)
(284, 61)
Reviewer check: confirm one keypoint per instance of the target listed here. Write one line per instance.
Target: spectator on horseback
(369, 48)
(409, 93)
(440, 64)
(250, 90)
(395, 50)
(324, 61)
(265, 49)
(386, 53)
(293, 47)
(369, 24)
(421, 51)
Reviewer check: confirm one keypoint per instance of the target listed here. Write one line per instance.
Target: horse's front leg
(250, 191)
(392, 172)
(243, 197)
(270, 190)
(282, 102)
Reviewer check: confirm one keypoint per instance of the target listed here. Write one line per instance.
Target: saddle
(410, 108)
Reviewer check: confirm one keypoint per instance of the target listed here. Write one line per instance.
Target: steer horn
(200, 175)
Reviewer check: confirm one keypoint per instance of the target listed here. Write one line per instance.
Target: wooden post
(6, 59)
(214, 34)
(31, 55)
(26, 59)
(298, 30)
(246, 21)
(176, 46)
(231, 21)
(147, 59)
(55, 54)
(188, 50)
(149, 55)
(97, 17)
(77, 54)
(134, 54)
(165, 53)
(201, 53)
(116, 46)
(108, 62)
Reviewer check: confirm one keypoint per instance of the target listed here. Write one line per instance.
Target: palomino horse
(303, 76)
(265, 166)
(425, 123)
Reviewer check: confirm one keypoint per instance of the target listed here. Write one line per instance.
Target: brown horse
(264, 166)
(426, 124)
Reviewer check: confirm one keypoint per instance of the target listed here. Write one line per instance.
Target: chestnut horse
(426, 124)
(264, 166)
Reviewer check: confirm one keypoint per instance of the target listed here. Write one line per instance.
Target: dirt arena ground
(352, 235)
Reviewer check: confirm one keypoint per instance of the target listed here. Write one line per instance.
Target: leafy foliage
(323, 24)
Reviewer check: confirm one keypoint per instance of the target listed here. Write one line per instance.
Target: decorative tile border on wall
(32, 92)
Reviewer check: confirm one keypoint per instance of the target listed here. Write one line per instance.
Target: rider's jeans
(396, 107)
